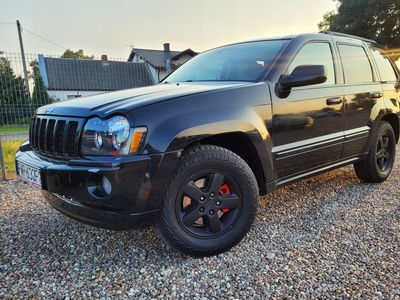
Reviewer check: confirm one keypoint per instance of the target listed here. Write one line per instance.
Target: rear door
(362, 93)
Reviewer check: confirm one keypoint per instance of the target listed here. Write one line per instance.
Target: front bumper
(74, 188)
(98, 217)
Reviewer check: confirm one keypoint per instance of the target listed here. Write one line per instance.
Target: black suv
(194, 152)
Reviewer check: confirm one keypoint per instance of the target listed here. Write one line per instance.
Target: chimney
(104, 60)
(166, 47)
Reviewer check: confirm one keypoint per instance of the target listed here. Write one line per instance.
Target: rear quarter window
(385, 67)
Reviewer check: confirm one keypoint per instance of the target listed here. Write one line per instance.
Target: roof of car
(339, 34)
(335, 35)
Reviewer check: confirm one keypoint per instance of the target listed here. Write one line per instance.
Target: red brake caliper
(224, 191)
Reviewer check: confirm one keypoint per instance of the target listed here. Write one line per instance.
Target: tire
(210, 204)
(378, 165)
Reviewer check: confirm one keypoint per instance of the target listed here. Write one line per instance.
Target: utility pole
(23, 59)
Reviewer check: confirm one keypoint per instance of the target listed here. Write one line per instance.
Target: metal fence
(37, 80)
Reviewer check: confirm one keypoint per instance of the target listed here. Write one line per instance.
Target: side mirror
(303, 75)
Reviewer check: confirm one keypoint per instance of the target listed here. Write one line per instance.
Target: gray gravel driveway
(328, 237)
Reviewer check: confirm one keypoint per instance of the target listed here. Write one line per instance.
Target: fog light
(106, 185)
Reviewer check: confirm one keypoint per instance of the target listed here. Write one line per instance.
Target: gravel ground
(328, 237)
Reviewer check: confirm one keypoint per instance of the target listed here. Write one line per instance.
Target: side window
(356, 65)
(315, 54)
(385, 67)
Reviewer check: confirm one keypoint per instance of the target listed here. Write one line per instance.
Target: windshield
(239, 62)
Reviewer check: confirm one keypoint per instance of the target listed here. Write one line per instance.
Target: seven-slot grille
(55, 137)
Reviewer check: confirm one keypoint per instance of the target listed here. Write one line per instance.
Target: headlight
(111, 137)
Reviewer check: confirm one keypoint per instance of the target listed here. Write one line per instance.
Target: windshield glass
(239, 62)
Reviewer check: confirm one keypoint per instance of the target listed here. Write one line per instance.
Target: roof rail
(347, 35)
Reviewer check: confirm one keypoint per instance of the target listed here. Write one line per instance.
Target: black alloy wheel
(378, 165)
(211, 202)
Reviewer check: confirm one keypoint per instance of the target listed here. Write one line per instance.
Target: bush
(9, 148)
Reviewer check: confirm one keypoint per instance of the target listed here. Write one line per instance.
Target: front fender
(175, 123)
(215, 117)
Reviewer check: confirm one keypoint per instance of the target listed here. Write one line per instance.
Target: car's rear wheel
(211, 202)
(378, 165)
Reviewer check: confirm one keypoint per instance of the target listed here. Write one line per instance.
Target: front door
(307, 125)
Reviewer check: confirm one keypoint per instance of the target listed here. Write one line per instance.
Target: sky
(113, 27)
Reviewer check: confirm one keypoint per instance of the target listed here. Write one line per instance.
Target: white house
(161, 62)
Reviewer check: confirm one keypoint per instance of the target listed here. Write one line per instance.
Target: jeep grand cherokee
(194, 152)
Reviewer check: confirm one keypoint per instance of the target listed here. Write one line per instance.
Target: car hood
(127, 100)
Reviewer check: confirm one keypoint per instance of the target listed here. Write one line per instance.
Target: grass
(9, 148)
(14, 129)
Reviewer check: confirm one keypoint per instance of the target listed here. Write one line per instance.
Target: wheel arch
(242, 145)
(393, 120)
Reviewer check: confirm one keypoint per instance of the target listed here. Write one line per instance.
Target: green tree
(12, 88)
(39, 95)
(78, 54)
(13, 93)
(373, 19)
(328, 19)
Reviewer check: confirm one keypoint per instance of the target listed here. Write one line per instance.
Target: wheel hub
(207, 208)
(383, 155)
(210, 202)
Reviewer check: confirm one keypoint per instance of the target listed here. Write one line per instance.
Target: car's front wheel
(377, 166)
(211, 202)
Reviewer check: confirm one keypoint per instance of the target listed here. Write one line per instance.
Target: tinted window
(243, 62)
(315, 54)
(356, 65)
(386, 70)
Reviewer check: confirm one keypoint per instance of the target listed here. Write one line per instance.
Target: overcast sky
(112, 27)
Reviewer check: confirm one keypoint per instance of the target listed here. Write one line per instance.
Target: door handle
(333, 101)
(376, 95)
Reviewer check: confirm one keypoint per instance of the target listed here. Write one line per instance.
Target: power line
(13, 24)
(7, 23)
(43, 38)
